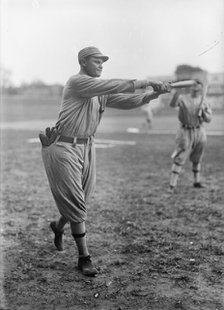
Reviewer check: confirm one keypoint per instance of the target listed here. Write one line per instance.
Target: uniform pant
(190, 143)
(71, 172)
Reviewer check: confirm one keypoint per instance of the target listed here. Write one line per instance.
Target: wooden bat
(183, 84)
(202, 100)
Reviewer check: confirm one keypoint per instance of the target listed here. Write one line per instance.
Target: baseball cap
(91, 51)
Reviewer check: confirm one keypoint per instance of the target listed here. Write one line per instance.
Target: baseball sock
(79, 235)
(196, 177)
(80, 240)
(175, 170)
(196, 172)
(173, 179)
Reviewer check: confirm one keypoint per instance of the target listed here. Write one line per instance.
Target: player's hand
(49, 136)
(44, 139)
(156, 85)
(161, 87)
(166, 87)
(150, 96)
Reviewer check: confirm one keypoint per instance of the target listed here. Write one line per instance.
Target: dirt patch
(153, 250)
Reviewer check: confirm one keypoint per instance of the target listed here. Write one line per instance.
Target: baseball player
(68, 150)
(147, 110)
(150, 111)
(191, 136)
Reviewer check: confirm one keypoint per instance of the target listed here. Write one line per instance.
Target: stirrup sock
(79, 235)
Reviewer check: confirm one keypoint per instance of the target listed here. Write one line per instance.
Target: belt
(190, 126)
(74, 140)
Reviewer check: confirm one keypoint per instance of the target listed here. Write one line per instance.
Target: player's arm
(86, 87)
(132, 101)
(206, 112)
(175, 100)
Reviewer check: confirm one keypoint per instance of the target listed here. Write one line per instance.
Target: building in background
(215, 94)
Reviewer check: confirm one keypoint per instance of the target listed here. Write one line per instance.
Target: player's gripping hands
(161, 87)
(158, 86)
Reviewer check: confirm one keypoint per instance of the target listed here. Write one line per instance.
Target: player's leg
(66, 183)
(175, 172)
(73, 207)
(84, 261)
(58, 229)
(196, 158)
(196, 168)
(79, 229)
(79, 233)
(50, 155)
(179, 157)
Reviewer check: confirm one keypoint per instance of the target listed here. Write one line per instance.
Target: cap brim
(103, 57)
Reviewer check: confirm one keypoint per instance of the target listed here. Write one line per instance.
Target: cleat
(86, 267)
(58, 236)
(171, 189)
(198, 185)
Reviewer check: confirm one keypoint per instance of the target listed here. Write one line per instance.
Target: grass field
(154, 251)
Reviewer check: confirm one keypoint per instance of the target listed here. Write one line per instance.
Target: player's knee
(176, 168)
(196, 166)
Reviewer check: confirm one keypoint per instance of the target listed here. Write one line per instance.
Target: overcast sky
(40, 39)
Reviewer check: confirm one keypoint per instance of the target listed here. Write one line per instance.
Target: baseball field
(153, 250)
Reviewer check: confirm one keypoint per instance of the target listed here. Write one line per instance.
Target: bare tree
(5, 75)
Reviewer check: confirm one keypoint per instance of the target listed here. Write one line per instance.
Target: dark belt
(189, 126)
(73, 140)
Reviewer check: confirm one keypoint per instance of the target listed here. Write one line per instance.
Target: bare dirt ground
(154, 251)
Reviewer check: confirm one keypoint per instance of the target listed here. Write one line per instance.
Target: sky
(40, 39)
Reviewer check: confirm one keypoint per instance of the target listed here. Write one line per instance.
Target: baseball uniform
(70, 167)
(191, 136)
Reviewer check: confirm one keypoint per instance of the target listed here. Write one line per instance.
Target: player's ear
(83, 62)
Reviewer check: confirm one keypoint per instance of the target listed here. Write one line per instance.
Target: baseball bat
(183, 84)
(202, 100)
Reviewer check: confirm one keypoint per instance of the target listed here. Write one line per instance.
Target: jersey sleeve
(86, 87)
(175, 101)
(125, 101)
(206, 113)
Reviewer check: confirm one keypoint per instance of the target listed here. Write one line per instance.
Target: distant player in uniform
(191, 136)
(68, 149)
(150, 110)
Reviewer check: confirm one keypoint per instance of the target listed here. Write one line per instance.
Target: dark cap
(91, 51)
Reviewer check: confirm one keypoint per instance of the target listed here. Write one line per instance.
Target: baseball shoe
(199, 185)
(85, 265)
(171, 189)
(58, 236)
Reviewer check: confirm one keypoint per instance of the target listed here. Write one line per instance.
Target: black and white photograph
(111, 155)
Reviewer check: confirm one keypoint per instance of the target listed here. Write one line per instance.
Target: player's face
(196, 91)
(93, 66)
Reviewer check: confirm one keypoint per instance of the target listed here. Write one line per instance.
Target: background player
(191, 136)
